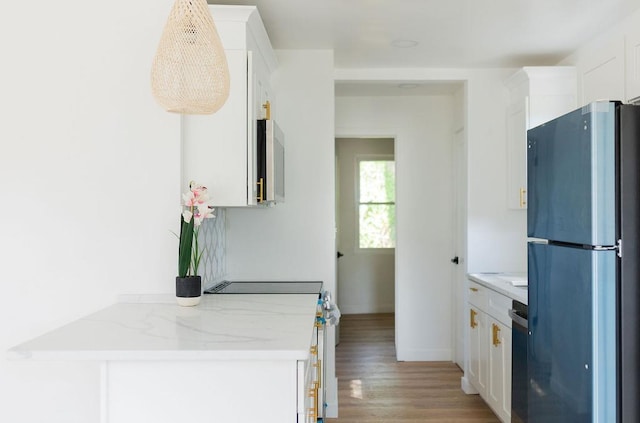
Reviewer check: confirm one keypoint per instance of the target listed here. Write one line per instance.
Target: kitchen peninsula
(233, 358)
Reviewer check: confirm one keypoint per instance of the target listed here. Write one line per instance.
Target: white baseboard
(425, 355)
(467, 387)
(366, 308)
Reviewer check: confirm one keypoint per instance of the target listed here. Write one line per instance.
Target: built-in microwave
(270, 162)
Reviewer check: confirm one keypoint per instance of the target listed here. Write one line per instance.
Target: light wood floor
(374, 388)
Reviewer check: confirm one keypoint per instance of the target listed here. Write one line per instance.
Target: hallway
(374, 388)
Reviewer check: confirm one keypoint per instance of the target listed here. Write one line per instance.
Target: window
(376, 203)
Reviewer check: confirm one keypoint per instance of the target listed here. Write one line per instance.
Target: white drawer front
(478, 295)
(498, 307)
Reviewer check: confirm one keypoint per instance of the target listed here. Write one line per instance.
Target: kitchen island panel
(199, 392)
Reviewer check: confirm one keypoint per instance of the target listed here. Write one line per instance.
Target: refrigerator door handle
(518, 319)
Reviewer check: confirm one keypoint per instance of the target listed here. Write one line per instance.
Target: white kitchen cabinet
(499, 372)
(632, 56)
(478, 350)
(536, 95)
(602, 73)
(219, 150)
(489, 367)
(311, 380)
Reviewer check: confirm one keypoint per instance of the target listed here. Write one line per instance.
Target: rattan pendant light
(190, 74)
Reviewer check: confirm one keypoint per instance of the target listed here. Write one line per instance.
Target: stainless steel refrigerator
(583, 265)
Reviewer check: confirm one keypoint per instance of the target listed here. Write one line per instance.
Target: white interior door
(459, 273)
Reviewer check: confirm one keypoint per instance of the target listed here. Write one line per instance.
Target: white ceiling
(450, 33)
(395, 88)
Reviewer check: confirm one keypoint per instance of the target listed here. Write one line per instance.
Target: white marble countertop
(221, 327)
(500, 282)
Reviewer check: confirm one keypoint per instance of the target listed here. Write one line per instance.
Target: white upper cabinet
(536, 95)
(219, 150)
(632, 55)
(602, 71)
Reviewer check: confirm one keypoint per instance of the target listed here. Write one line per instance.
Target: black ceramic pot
(188, 290)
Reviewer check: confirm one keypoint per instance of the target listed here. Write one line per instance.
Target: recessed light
(404, 43)
(408, 86)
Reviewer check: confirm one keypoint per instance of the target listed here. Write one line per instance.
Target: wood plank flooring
(374, 388)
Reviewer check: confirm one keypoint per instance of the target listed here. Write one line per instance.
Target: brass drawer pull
(260, 197)
(496, 335)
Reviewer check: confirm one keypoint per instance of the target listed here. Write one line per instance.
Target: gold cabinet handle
(267, 110)
(313, 411)
(496, 334)
(523, 198)
(318, 366)
(472, 318)
(474, 289)
(260, 197)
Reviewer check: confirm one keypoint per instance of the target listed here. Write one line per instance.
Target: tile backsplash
(212, 238)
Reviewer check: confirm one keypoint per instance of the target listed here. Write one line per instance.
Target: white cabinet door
(258, 101)
(489, 365)
(517, 154)
(603, 75)
(499, 374)
(632, 58)
(219, 150)
(478, 349)
(537, 95)
(214, 147)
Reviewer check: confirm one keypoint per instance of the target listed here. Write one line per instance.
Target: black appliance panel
(266, 287)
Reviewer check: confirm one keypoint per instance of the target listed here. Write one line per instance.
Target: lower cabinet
(489, 367)
(499, 372)
(478, 349)
(311, 378)
(233, 389)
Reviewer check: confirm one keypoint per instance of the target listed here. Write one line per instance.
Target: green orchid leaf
(186, 247)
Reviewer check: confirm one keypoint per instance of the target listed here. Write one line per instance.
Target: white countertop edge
(153, 324)
(71, 355)
(492, 281)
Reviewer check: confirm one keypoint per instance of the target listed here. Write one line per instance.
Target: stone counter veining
(221, 327)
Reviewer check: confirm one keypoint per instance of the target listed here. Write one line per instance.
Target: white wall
(89, 184)
(296, 239)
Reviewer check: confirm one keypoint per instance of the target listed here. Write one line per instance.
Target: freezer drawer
(572, 344)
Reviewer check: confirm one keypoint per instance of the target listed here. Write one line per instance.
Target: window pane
(377, 226)
(377, 181)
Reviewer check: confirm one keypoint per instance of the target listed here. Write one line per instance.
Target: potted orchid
(195, 208)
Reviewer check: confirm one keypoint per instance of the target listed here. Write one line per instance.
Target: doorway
(421, 127)
(365, 200)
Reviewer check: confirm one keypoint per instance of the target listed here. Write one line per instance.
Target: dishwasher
(519, 374)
